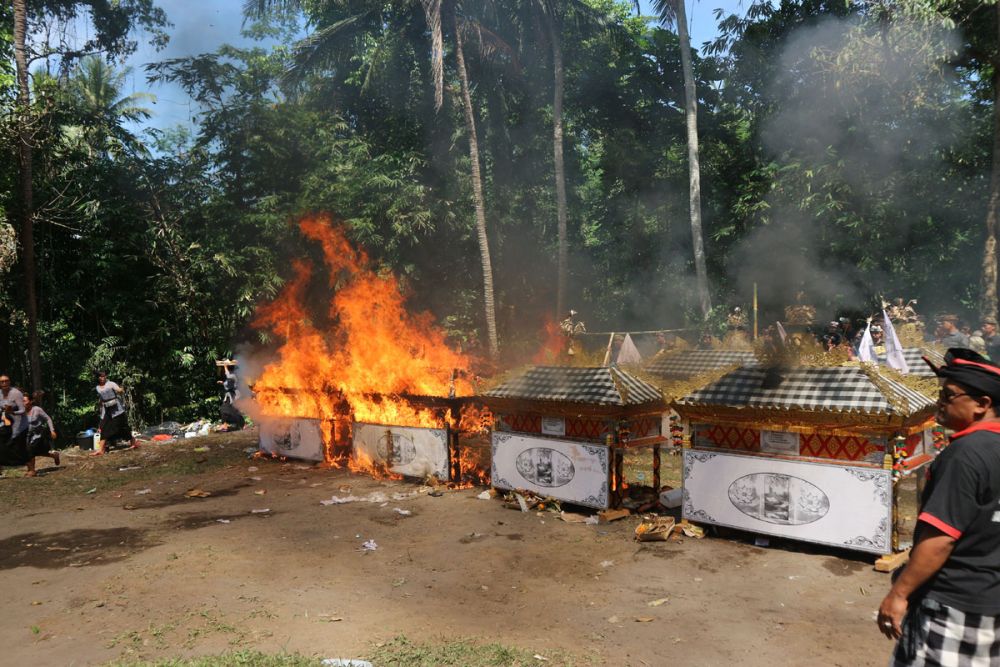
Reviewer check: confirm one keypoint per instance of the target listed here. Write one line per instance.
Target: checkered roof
(598, 386)
(835, 389)
(914, 360)
(689, 363)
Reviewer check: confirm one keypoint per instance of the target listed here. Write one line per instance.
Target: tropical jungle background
(508, 161)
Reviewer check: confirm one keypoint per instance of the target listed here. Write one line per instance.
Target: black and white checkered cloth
(835, 389)
(952, 638)
(914, 360)
(689, 363)
(599, 386)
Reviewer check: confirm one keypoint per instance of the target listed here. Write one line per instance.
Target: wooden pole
(755, 311)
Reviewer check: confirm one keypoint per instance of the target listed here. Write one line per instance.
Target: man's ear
(989, 407)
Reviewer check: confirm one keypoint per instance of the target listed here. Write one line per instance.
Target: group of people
(27, 431)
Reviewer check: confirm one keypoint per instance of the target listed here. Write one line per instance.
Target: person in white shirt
(114, 421)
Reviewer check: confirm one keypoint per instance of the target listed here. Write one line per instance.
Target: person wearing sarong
(12, 404)
(944, 607)
(114, 421)
(41, 432)
(229, 413)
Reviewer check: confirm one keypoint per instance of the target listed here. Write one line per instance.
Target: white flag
(629, 354)
(781, 332)
(893, 350)
(866, 348)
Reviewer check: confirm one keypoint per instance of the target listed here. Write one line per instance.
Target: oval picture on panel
(545, 467)
(777, 498)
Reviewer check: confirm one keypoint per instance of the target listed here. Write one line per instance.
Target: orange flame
(553, 345)
(371, 354)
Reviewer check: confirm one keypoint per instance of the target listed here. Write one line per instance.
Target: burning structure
(373, 387)
(562, 432)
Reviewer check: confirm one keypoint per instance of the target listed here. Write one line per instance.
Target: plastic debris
(223, 521)
(692, 530)
(369, 545)
(402, 512)
(657, 602)
(260, 492)
(260, 511)
(93, 490)
(607, 563)
(345, 662)
(142, 492)
(127, 468)
(485, 495)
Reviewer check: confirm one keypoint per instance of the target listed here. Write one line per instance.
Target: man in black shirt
(944, 608)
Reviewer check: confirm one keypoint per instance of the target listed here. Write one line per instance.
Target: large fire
(370, 355)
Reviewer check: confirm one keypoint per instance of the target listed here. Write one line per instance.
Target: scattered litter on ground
(196, 493)
(573, 517)
(692, 530)
(643, 619)
(402, 512)
(654, 529)
(345, 662)
(223, 521)
(369, 545)
(540, 657)
(127, 468)
(93, 490)
(485, 495)
(657, 602)
(260, 492)
(607, 563)
(142, 492)
(260, 511)
(607, 516)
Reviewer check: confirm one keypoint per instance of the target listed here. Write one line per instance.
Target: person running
(114, 422)
(41, 432)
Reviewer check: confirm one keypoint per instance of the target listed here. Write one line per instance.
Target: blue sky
(201, 27)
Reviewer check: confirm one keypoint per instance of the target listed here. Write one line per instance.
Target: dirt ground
(117, 572)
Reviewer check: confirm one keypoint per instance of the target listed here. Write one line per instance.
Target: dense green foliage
(845, 151)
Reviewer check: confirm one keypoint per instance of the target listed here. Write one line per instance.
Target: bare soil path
(122, 572)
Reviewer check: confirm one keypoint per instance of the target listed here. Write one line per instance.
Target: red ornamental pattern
(815, 445)
(581, 428)
(645, 427)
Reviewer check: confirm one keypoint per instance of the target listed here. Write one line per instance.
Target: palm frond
(319, 48)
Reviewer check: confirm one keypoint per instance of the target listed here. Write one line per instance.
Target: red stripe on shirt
(992, 425)
(950, 531)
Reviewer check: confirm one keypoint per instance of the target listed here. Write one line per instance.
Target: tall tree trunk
(477, 195)
(560, 168)
(989, 302)
(694, 170)
(26, 208)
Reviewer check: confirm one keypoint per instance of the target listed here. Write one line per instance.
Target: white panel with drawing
(572, 471)
(835, 504)
(406, 450)
(292, 438)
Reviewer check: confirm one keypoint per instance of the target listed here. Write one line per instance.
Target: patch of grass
(233, 659)
(402, 652)
(80, 473)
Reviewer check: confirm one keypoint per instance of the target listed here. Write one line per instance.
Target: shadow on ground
(73, 548)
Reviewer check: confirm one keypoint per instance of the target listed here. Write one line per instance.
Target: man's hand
(890, 615)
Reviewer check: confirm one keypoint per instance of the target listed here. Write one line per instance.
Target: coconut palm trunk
(558, 75)
(477, 193)
(989, 302)
(24, 177)
(694, 170)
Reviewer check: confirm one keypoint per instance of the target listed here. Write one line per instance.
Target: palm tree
(97, 89)
(26, 209)
(319, 48)
(672, 12)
